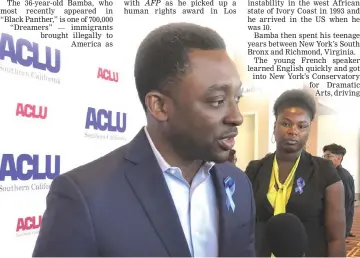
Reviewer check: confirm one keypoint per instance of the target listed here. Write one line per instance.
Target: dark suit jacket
(317, 173)
(349, 190)
(120, 205)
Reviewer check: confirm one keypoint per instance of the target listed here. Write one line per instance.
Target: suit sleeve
(352, 187)
(251, 245)
(66, 229)
(350, 215)
(347, 192)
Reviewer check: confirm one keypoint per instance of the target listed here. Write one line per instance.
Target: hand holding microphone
(286, 236)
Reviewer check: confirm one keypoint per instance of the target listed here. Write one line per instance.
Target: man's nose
(234, 116)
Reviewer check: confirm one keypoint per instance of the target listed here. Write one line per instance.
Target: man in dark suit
(336, 154)
(170, 191)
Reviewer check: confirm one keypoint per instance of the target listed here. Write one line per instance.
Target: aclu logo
(107, 75)
(105, 124)
(26, 167)
(31, 111)
(28, 225)
(26, 53)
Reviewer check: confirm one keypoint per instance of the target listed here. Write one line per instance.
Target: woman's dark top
(318, 174)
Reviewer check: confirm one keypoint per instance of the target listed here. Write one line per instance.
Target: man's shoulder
(233, 171)
(98, 169)
(346, 172)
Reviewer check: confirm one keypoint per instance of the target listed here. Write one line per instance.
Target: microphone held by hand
(286, 236)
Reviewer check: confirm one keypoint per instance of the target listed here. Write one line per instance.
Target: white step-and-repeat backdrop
(62, 105)
(67, 91)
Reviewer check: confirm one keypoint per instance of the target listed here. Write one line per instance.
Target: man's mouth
(228, 142)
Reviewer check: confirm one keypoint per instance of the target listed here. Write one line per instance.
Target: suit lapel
(264, 175)
(227, 219)
(149, 185)
(304, 170)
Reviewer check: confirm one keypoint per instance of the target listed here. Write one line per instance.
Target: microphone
(286, 236)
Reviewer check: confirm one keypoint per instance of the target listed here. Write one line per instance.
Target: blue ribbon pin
(300, 185)
(229, 184)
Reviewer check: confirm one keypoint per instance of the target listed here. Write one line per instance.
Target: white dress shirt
(195, 204)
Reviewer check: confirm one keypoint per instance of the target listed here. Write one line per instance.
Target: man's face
(336, 159)
(202, 123)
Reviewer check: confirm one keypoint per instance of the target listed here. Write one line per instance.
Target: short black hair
(335, 149)
(295, 98)
(232, 152)
(163, 55)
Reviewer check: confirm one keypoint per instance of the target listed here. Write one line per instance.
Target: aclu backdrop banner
(59, 113)
(60, 107)
(63, 106)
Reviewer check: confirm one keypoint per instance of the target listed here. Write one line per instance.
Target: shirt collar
(162, 162)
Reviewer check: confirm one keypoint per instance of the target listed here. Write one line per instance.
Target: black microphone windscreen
(286, 235)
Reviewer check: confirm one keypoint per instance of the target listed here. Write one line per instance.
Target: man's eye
(217, 103)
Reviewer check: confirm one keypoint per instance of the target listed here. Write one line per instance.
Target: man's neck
(189, 168)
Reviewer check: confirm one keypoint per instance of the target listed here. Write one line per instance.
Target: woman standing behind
(292, 180)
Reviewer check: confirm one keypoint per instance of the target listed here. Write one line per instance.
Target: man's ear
(156, 105)
(340, 158)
